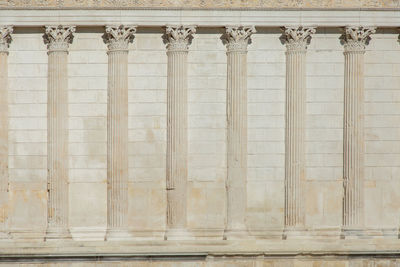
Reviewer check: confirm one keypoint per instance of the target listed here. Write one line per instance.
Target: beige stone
(117, 39)
(5, 40)
(57, 39)
(236, 40)
(178, 39)
(325, 4)
(237, 138)
(296, 40)
(355, 40)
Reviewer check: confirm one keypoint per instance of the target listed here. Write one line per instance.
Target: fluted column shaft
(57, 38)
(236, 40)
(177, 139)
(236, 139)
(57, 121)
(117, 139)
(178, 39)
(5, 40)
(296, 40)
(118, 39)
(355, 39)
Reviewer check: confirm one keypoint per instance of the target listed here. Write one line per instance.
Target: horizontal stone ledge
(82, 257)
(201, 18)
(267, 248)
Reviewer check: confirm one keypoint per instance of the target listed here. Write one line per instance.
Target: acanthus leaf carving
(237, 38)
(119, 37)
(58, 38)
(356, 38)
(178, 38)
(5, 37)
(297, 38)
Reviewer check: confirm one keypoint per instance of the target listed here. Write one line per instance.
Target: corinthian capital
(58, 37)
(119, 37)
(236, 38)
(356, 38)
(297, 38)
(179, 38)
(5, 37)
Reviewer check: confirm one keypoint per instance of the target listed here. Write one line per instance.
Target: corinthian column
(57, 39)
(296, 40)
(355, 40)
(117, 39)
(5, 40)
(178, 39)
(236, 40)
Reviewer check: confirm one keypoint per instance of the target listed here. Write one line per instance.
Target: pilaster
(355, 40)
(296, 40)
(177, 38)
(117, 39)
(5, 40)
(57, 39)
(236, 39)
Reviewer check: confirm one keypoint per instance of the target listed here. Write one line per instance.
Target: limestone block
(88, 203)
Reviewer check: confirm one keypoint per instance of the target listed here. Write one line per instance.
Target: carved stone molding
(119, 37)
(297, 38)
(237, 38)
(356, 38)
(178, 38)
(58, 38)
(5, 37)
(201, 4)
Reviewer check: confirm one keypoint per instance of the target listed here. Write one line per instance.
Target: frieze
(200, 4)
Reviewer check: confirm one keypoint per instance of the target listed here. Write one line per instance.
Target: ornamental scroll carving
(5, 38)
(237, 38)
(58, 38)
(297, 38)
(356, 38)
(178, 38)
(217, 4)
(119, 37)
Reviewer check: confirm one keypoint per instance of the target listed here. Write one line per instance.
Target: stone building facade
(200, 133)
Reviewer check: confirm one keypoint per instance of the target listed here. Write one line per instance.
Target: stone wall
(202, 4)
(308, 164)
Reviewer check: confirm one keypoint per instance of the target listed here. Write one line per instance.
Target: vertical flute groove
(236, 39)
(57, 39)
(178, 39)
(296, 40)
(355, 40)
(117, 39)
(5, 40)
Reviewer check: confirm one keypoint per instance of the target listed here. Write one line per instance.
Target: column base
(232, 234)
(88, 233)
(352, 233)
(118, 235)
(297, 232)
(178, 234)
(4, 235)
(57, 233)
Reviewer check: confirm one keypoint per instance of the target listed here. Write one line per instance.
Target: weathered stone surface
(203, 4)
(58, 39)
(296, 40)
(201, 142)
(117, 39)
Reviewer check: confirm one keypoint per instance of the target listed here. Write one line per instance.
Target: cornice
(201, 4)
